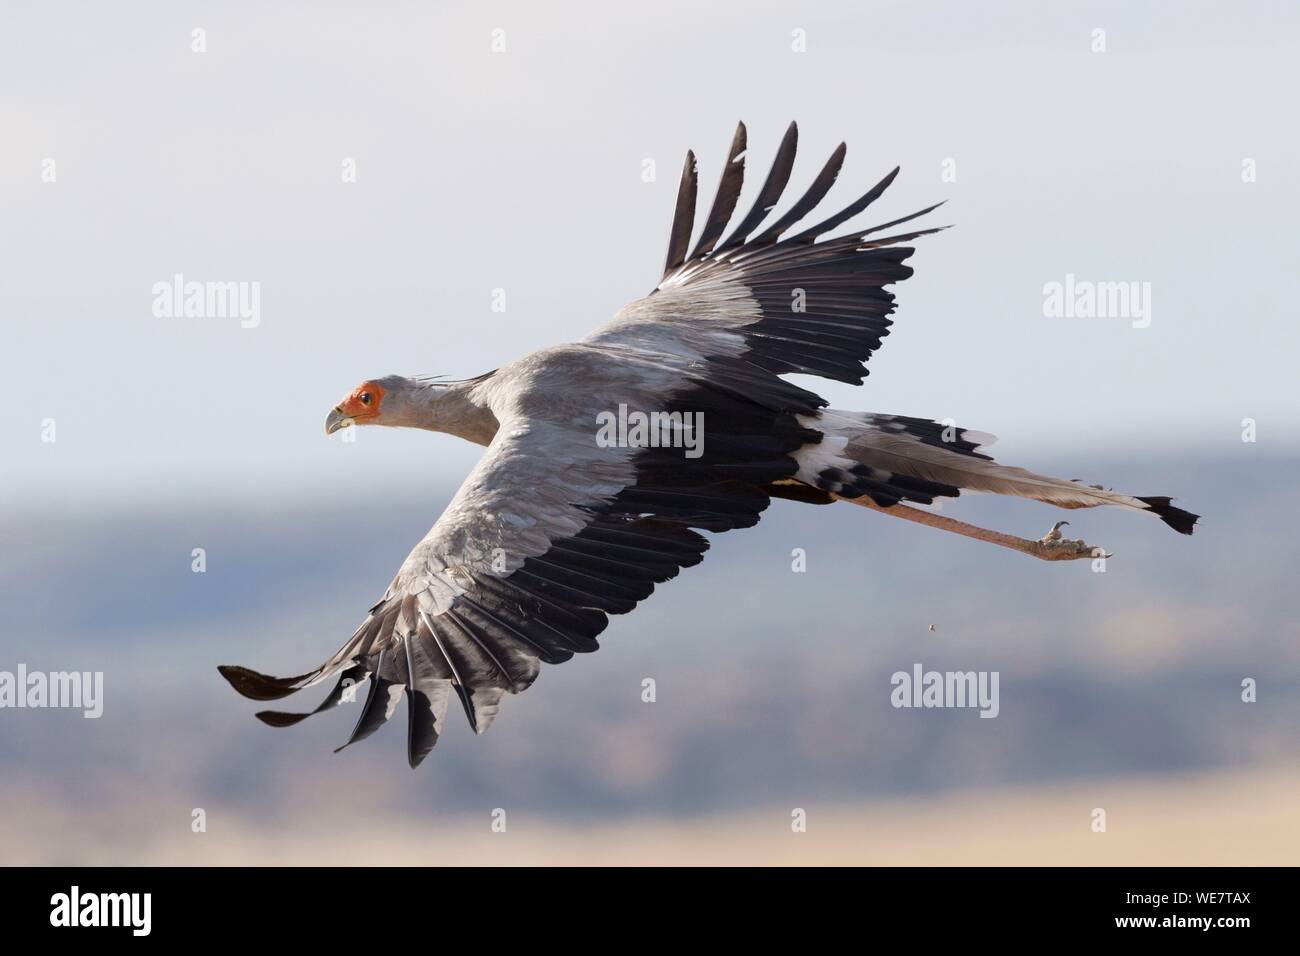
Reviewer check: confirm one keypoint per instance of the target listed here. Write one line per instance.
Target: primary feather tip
(257, 686)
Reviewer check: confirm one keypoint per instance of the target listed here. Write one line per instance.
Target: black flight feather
(808, 201)
(724, 202)
(770, 194)
(683, 217)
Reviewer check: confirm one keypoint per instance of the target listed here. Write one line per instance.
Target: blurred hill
(1244, 818)
(772, 686)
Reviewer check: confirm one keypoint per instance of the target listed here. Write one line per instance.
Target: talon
(1054, 536)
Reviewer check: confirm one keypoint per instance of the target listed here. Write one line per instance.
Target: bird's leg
(1065, 549)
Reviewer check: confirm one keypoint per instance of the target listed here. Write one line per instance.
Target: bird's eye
(365, 398)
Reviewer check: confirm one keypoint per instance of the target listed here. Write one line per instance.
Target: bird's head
(376, 401)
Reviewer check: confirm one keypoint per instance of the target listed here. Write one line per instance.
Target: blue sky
(523, 171)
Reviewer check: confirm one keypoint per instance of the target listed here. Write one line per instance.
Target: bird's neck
(459, 410)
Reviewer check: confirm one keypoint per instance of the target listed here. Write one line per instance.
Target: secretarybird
(566, 520)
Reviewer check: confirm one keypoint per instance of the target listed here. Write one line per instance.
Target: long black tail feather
(1181, 521)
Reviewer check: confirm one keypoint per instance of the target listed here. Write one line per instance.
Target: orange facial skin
(364, 402)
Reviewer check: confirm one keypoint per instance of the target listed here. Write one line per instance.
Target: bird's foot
(1057, 547)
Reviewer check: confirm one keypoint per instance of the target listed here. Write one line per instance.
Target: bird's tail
(892, 458)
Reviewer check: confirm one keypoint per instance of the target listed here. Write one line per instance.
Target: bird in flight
(606, 458)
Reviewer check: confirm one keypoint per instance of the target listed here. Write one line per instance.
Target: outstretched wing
(781, 305)
(552, 532)
(549, 535)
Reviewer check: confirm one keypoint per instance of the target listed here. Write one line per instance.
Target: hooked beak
(335, 420)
